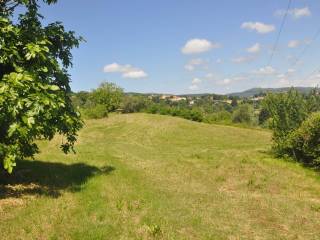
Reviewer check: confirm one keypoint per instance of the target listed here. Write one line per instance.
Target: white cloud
(231, 80)
(196, 45)
(294, 43)
(267, 70)
(243, 59)
(311, 81)
(284, 77)
(281, 76)
(135, 74)
(196, 81)
(194, 87)
(258, 27)
(255, 48)
(226, 81)
(195, 84)
(115, 67)
(301, 12)
(291, 70)
(296, 13)
(209, 76)
(191, 65)
(127, 70)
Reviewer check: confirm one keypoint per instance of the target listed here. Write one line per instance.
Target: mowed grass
(142, 176)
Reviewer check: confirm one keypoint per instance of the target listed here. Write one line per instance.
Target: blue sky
(190, 46)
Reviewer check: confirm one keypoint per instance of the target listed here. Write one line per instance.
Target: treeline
(293, 117)
(213, 108)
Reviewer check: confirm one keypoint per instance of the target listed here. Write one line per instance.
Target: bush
(196, 115)
(287, 112)
(243, 114)
(264, 115)
(218, 117)
(95, 112)
(131, 104)
(304, 143)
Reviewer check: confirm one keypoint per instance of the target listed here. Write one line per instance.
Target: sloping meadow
(141, 176)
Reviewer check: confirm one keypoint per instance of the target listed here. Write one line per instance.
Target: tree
(132, 103)
(108, 95)
(34, 83)
(243, 114)
(234, 102)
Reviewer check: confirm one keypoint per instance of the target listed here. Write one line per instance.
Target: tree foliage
(108, 95)
(243, 114)
(132, 103)
(305, 141)
(287, 111)
(97, 103)
(34, 83)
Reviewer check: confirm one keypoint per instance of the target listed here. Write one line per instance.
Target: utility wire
(279, 33)
(306, 47)
(304, 50)
(312, 73)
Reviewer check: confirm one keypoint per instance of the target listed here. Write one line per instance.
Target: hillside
(143, 176)
(254, 91)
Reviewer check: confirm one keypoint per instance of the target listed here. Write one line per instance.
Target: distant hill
(247, 93)
(253, 91)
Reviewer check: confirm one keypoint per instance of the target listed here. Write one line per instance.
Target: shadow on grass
(46, 178)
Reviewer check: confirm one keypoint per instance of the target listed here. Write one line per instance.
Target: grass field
(145, 176)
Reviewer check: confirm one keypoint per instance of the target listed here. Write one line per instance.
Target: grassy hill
(145, 176)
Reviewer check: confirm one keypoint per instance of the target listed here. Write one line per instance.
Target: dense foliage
(305, 141)
(295, 125)
(287, 111)
(99, 102)
(244, 114)
(209, 108)
(34, 84)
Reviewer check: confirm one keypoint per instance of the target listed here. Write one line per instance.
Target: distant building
(177, 99)
(228, 101)
(164, 97)
(257, 98)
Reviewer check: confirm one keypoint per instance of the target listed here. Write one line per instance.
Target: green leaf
(54, 88)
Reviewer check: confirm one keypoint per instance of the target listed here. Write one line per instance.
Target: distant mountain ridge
(255, 91)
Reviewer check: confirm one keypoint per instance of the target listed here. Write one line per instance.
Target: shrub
(243, 114)
(95, 112)
(131, 104)
(264, 115)
(304, 143)
(287, 112)
(196, 115)
(218, 117)
(152, 109)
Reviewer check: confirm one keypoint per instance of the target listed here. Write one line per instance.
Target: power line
(306, 47)
(279, 33)
(304, 50)
(312, 73)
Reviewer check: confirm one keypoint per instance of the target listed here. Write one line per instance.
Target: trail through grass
(142, 176)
